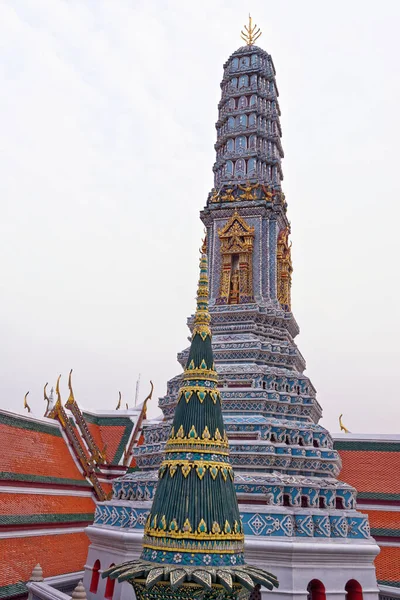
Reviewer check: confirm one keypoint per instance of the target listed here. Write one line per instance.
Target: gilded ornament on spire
(284, 269)
(251, 33)
(202, 316)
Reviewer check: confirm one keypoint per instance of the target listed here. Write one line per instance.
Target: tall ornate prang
(193, 535)
(299, 520)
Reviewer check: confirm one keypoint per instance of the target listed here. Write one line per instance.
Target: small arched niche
(353, 590)
(316, 590)
(94, 582)
(109, 591)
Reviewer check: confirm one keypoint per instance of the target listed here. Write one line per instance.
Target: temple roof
(371, 463)
(34, 450)
(46, 499)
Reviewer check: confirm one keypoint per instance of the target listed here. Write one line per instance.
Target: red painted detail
(353, 590)
(108, 594)
(316, 590)
(94, 583)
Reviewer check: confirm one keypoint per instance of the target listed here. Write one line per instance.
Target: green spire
(194, 532)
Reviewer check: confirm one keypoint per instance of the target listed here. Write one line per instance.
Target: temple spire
(251, 33)
(194, 534)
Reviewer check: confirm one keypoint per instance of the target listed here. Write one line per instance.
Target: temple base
(296, 563)
(333, 563)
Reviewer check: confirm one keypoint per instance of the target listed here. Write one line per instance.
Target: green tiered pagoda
(193, 540)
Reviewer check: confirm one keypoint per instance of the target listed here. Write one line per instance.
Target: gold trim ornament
(284, 268)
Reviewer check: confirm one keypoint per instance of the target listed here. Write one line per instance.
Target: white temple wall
(297, 563)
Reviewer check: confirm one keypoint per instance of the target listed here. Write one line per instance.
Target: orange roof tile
(388, 564)
(107, 487)
(57, 554)
(37, 449)
(111, 432)
(31, 504)
(96, 435)
(370, 471)
(381, 519)
(112, 437)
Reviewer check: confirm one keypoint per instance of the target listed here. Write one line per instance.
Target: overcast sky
(107, 113)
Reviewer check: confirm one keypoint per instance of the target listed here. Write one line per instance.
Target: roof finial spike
(26, 405)
(342, 427)
(119, 401)
(46, 399)
(58, 389)
(71, 393)
(251, 33)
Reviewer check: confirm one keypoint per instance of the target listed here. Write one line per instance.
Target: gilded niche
(236, 283)
(284, 269)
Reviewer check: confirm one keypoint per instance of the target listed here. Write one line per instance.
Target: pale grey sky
(107, 112)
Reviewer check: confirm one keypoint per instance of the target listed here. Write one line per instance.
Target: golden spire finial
(251, 33)
(202, 316)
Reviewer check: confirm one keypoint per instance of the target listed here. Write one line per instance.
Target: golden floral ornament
(192, 432)
(206, 434)
(194, 374)
(214, 471)
(201, 467)
(173, 526)
(186, 468)
(187, 528)
(200, 470)
(188, 394)
(216, 528)
(227, 527)
(202, 528)
(201, 392)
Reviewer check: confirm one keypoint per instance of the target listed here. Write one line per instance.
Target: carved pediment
(236, 226)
